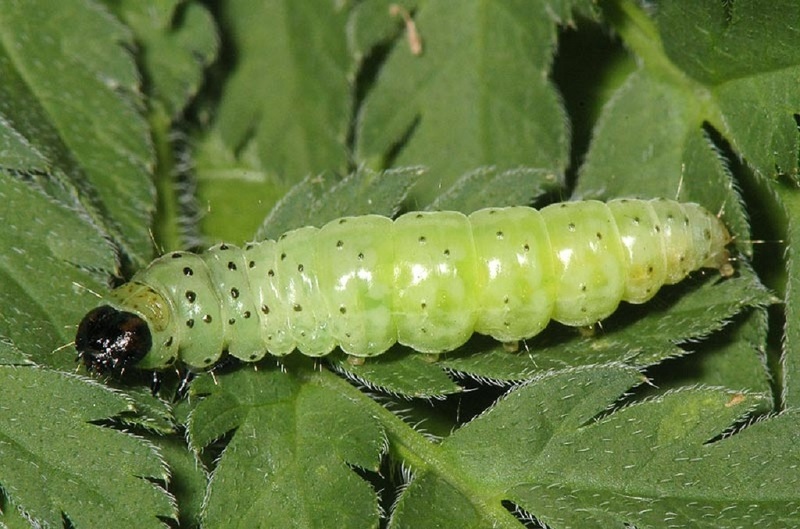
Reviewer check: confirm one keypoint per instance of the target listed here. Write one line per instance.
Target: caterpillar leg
(356, 360)
(511, 347)
(155, 383)
(183, 387)
(727, 270)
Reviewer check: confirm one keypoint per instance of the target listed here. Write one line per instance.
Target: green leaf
(188, 479)
(10, 355)
(46, 478)
(699, 71)
(317, 200)
(177, 41)
(151, 413)
(479, 88)
(284, 113)
(488, 187)
(11, 518)
(399, 371)
(287, 463)
(788, 200)
(70, 95)
(735, 358)
(570, 465)
(572, 462)
(749, 80)
(376, 23)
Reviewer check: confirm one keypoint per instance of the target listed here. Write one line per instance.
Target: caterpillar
(428, 280)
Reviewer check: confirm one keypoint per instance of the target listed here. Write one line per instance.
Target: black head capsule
(109, 341)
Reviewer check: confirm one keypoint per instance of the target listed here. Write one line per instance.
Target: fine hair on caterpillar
(427, 280)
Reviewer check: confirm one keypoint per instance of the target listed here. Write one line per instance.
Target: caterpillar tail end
(722, 260)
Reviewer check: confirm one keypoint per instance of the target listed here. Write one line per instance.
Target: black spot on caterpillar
(426, 280)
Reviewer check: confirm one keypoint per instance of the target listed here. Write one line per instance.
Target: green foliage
(72, 111)
(57, 480)
(125, 121)
(315, 200)
(295, 446)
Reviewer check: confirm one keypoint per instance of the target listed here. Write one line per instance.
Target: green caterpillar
(428, 280)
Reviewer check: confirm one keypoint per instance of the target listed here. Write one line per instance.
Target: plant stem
(420, 454)
(641, 36)
(165, 233)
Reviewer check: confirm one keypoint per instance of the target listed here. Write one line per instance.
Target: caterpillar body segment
(428, 280)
